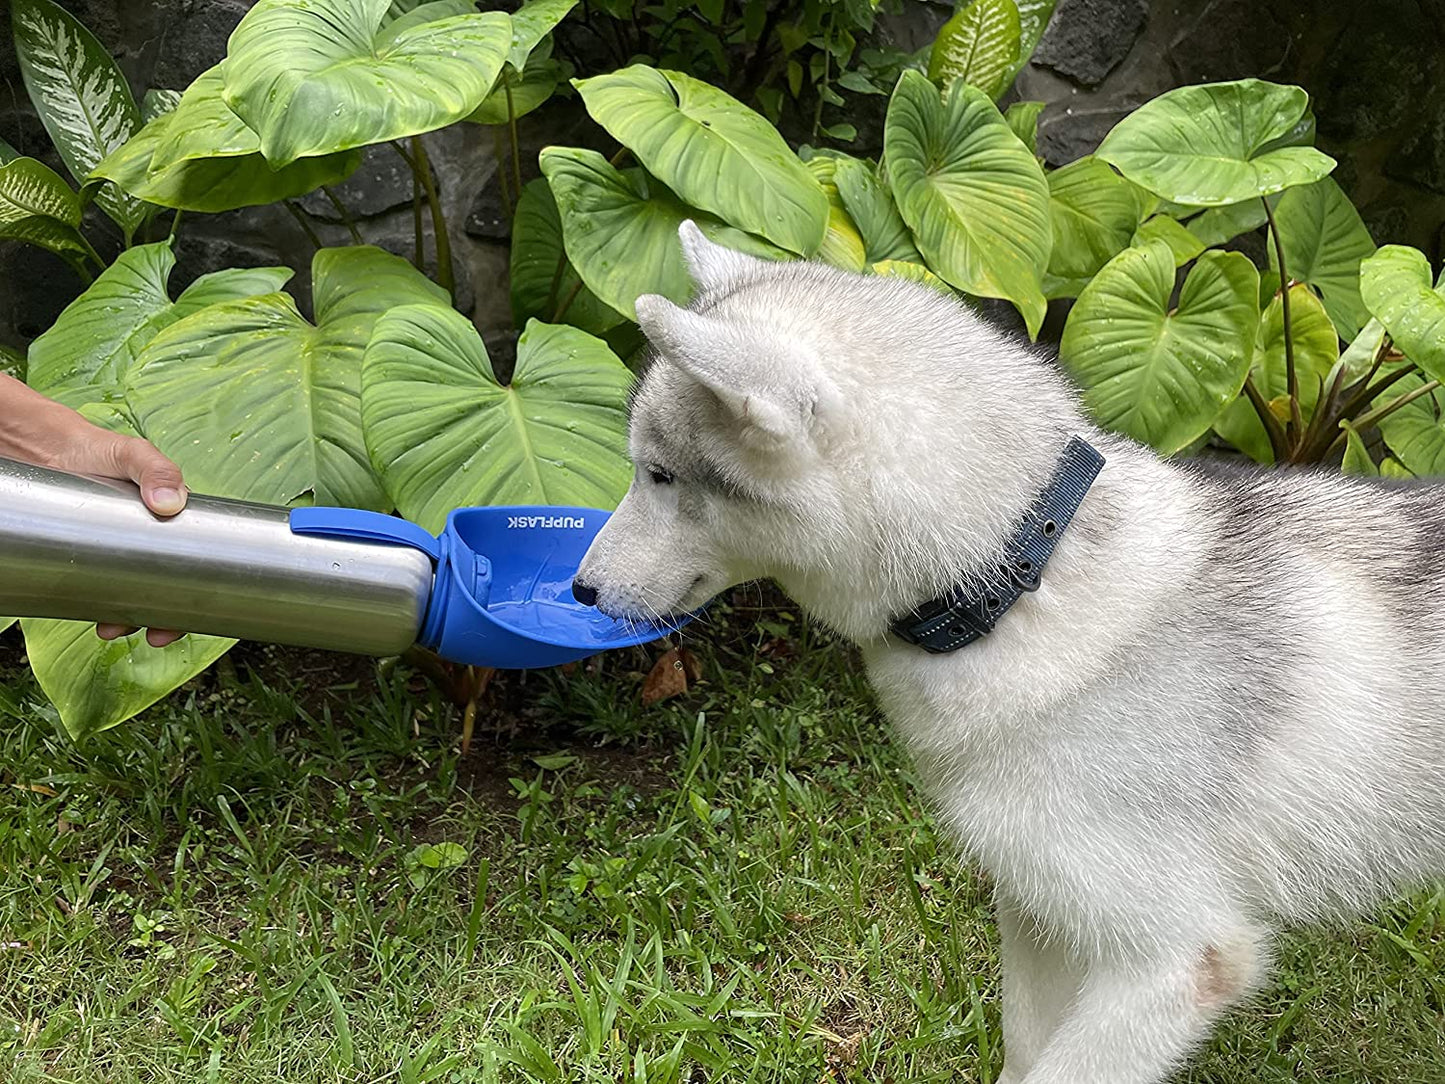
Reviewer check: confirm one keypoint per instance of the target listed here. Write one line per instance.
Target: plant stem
(512, 130)
(343, 212)
(499, 152)
(175, 225)
(1374, 417)
(1278, 444)
(556, 282)
(617, 159)
(567, 301)
(446, 276)
(300, 216)
(1291, 376)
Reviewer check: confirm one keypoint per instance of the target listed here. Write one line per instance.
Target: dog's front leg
(1040, 979)
(1133, 1023)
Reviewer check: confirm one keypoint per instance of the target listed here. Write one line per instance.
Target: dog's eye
(659, 476)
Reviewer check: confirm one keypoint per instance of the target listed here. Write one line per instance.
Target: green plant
(384, 396)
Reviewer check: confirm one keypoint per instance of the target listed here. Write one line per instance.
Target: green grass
(288, 873)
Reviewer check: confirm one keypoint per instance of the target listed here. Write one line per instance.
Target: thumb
(159, 479)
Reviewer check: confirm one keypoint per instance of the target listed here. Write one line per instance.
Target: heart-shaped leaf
(620, 229)
(1094, 214)
(1181, 242)
(1163, 377)
(713, 151)
(979, 45)
(1316, 349)
(1218, 225)
(212, 170)
(82, 98)
(532, 22)
(1395, 285)
(39, 208)
(542, 276)
(870, 205)
(1324, 241)
(444, 433)
(313, 77)
(1209, 145)
(255, 402)
(394, 25)
(87, 353)
(1416, 431)
(97, 684)
(517, 95)
(974, 197)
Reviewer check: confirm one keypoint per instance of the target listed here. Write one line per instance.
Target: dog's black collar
(962, 614)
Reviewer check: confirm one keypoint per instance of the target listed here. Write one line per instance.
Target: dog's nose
(584, 593)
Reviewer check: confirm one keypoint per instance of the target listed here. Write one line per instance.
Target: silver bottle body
(89, 550)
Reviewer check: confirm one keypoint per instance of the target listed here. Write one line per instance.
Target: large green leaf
(97, 684)
(1209, 145)
(81, 96)
(532, 22)
(38, 207)
(1316, 349)
(1218, 225)
(1034, 18)
(542, 276)
(212, 172)
(87, 353)
(1395, 285)
(842, 245)
(313, 77)
(979, 45)
(1094, 214)
(620, 229)
(517, 95)
(444, 433)
(1416, 432)
(974, 197)
(1324, 241)
(870, 205)
(713, 151)
(255, 402)
(1163, 377)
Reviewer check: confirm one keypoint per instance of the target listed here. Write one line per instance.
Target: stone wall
(1375, 69)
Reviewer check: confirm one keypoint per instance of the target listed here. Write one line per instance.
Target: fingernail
(167, 501)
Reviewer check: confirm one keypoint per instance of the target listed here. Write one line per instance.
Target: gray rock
(1421, 160)
(1230, 39)
(381, 183)
(488, 218)
(37, 286)
(191, 38)
(1389, 52)
(1066, 135)
(1087, 39)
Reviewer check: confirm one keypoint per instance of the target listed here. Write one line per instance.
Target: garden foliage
(383, 396)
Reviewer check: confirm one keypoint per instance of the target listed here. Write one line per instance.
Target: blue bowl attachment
(502, 592)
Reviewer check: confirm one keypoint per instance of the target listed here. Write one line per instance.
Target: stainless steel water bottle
(88, 549)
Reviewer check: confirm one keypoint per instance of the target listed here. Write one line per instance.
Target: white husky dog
(1222, 711)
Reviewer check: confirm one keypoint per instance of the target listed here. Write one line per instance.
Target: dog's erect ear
(779, 396)
(711, 265)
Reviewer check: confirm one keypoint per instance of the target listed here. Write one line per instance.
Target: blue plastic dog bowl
(502, 591)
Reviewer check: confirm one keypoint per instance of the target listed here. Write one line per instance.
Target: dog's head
(822, 429)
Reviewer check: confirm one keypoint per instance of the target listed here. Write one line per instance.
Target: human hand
(34, 429)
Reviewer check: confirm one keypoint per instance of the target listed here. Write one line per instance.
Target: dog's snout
(584, 593)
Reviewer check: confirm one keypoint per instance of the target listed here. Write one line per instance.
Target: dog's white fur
(1223, 711)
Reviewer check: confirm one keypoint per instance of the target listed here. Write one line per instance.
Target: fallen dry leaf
(672, 675)
(38, 788)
